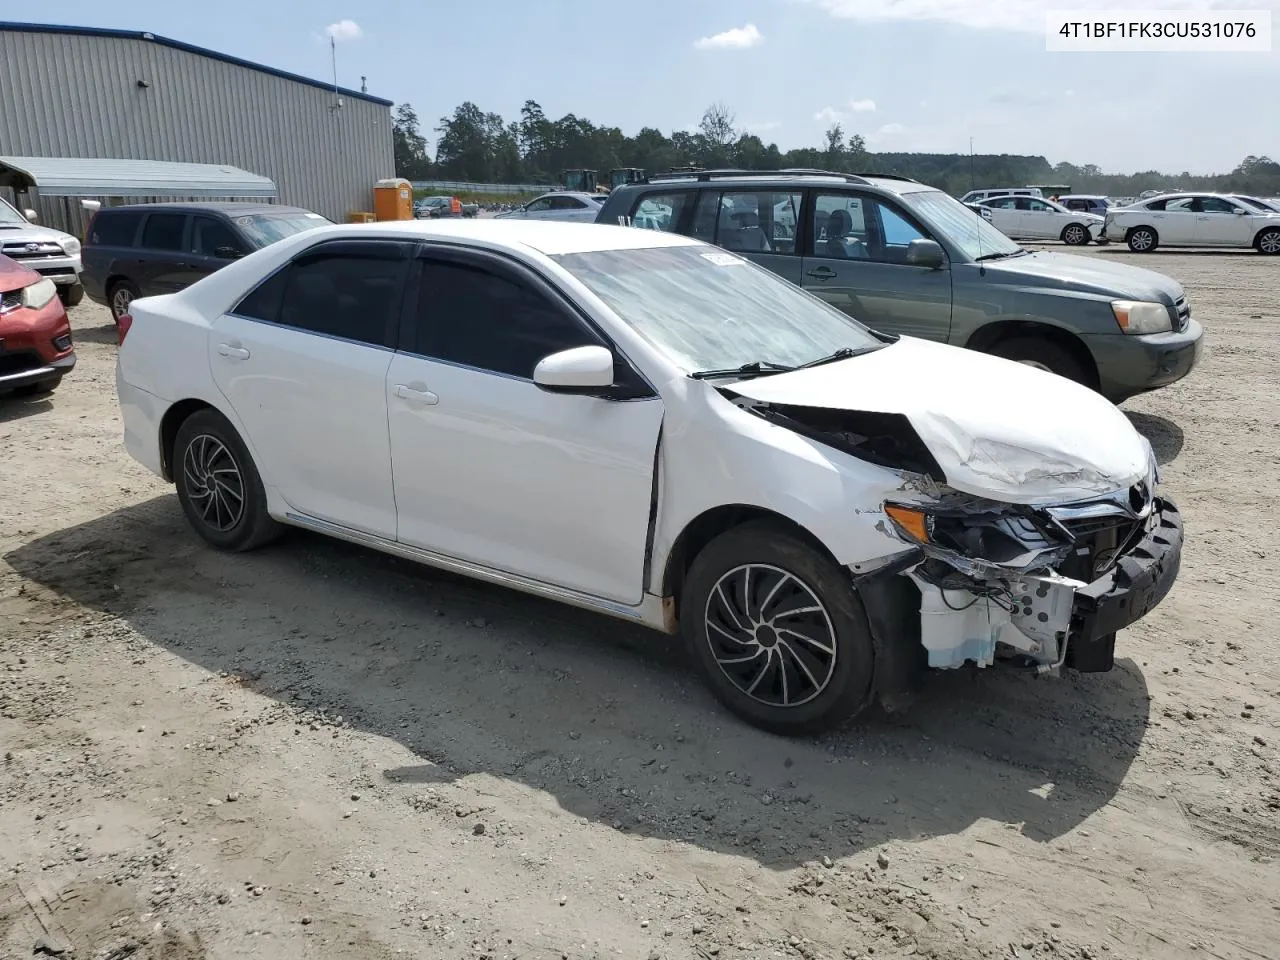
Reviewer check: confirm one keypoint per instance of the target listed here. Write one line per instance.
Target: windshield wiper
(844, 353)
(1000, 256)
(756, 368)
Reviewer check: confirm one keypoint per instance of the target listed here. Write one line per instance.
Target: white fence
(463, 186)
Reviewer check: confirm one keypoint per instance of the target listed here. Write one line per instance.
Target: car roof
(231, 209)
(548, 237)
(764, 178)
(580, 194)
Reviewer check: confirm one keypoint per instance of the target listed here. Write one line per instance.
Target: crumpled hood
(998, 429)
(1065, 271)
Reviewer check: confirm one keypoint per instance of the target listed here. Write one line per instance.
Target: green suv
(905, 258)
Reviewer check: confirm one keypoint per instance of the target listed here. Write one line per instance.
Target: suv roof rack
(702, 176)
(890, 176)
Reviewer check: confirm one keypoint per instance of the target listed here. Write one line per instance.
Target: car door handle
(231, 351)
(822, 273)
(415, 396)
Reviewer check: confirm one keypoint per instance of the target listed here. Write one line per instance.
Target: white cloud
(739, 38)
(1024, 16)
(836, 114)
(344, 30)
(887, 132)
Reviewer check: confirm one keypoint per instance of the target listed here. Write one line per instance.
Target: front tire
(218, 485)
(1074, 235)
(1142, 239)
(1269, 242)
(1043, 355)
(777, 631)
(71, 294)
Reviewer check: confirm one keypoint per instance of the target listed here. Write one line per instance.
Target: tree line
(471, 144)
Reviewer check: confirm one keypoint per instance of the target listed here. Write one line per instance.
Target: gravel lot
(316, 751)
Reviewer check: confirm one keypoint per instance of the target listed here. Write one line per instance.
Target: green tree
(408, 145)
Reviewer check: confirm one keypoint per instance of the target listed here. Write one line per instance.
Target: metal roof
(189, 48)
(76, 177)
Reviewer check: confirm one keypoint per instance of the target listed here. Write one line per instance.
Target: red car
(35, 335)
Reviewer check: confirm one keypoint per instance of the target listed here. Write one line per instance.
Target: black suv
(151, 248)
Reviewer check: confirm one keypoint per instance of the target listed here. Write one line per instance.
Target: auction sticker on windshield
(723, 259)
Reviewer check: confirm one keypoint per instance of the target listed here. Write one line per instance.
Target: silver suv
(907, 259)
(50, 253)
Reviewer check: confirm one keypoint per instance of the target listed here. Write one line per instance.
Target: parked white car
(977, 196)
(1030, 218)
(647, 426)
(53, 254)
(561, 205)
(1194, 220)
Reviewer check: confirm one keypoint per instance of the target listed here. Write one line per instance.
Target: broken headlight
(974, 530)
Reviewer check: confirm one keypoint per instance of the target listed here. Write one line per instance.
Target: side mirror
(1241, 213)
(30, 215)
(925, 253)
(578, 370)
(227, 253)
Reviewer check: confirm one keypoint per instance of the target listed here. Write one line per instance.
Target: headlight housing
(972, 531)
(39, 293)
(71, 246)
(1139, 317)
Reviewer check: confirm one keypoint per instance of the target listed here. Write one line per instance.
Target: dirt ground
(319, 752)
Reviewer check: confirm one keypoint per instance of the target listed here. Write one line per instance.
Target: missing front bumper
(1047, 619)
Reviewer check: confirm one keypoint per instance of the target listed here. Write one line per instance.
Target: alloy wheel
(1075, 234)
(1140, 240)
(1270, 242)
(120, 301)
(770, 635)
(213, 482)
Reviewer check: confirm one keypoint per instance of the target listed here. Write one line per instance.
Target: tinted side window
(263, 302)
(542, 203)
(1218, 205)
(115, 229)
(478, 318)
(351, 293)
(660, 211)
(566, 203)
(214, 238)
(163, 231)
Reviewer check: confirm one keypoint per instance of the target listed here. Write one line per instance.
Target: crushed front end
(1041, 586)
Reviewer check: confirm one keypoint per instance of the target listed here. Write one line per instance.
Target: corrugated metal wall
(66, 95)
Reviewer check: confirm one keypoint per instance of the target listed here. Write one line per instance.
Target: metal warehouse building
(76, 92)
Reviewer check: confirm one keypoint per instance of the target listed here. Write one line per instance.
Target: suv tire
(751, 650)
(121, 294)
(1042, 353)
(218, 485)
(71, 294)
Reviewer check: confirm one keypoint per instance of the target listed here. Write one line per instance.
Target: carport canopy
(99, 177)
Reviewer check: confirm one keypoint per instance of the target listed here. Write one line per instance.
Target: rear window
(114, 229)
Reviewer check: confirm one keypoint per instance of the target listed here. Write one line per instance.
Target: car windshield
(707, 309)
(1256, 203)
(958, 224)
(264, 229)
(10, 215)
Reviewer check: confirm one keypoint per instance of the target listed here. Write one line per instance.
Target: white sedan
(647, 426)
(560, 205)
(1030, 218)
(1194, 220)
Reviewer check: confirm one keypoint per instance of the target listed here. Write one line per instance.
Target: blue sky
(907, 74)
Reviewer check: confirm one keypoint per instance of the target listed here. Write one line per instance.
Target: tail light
(122, 327)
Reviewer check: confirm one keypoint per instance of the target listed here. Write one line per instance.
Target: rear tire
(784, 671)
(1042, 354)
(71, 294)
(121, 294)
(1142, 239)
(1268, 242)
(218, 485)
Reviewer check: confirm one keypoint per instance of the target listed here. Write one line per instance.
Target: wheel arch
(988, 335)
(708, 525)
(170, 423)
(1257, 237)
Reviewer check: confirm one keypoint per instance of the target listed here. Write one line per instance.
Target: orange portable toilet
(393, 199)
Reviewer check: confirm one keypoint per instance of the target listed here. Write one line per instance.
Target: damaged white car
(654, 428)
